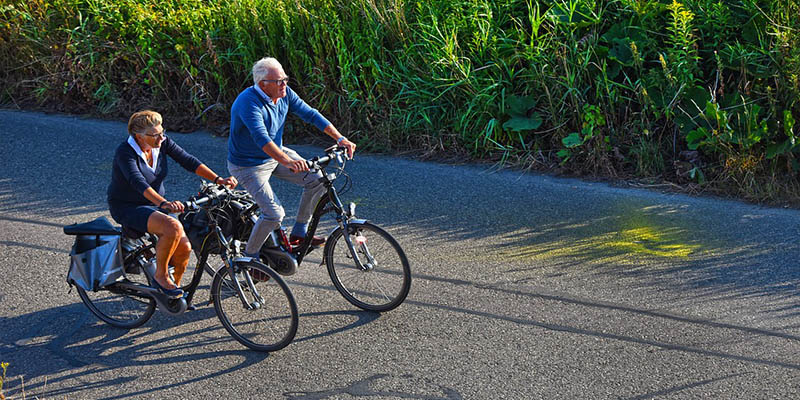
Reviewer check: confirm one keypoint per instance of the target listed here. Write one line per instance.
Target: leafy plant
(682, 55)
(791, 142)
(592, 119)
(3, 365)
(521, 116)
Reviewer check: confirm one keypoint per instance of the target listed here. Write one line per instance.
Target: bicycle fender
(350, 222)
(338, 228)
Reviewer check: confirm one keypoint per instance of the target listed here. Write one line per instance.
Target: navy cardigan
(131, 176)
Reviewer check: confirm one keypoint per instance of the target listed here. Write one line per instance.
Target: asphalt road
(525, 287)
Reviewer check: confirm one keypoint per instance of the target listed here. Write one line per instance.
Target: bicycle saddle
(100, 226)
(131, 233)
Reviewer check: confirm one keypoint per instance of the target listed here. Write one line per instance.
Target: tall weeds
(702, 91)
(3, 366)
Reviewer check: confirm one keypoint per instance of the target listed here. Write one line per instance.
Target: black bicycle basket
(232, 222)
(198, 230)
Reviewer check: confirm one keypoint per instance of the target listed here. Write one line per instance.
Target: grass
(4, 366)
(3, 379)
(524, 82)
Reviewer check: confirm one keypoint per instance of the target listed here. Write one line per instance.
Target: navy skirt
(133, 216)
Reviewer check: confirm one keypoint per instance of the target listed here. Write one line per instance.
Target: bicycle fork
(235, 271)
(258, 300)
(360, 244)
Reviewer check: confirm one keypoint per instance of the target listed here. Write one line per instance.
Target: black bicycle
(365, 263)
(253, 302)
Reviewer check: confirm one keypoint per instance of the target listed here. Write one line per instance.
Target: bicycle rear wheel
(383, 280)
(267, 318)
(121, 308)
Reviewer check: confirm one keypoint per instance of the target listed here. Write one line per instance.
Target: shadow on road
(69, 338)
(663, 246)
(596, 307)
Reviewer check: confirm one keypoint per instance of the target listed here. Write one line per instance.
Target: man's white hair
(262, 67)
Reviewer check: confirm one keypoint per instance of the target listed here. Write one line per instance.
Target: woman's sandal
(173, 293)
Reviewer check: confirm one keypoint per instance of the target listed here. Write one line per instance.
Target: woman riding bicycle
(136, 193)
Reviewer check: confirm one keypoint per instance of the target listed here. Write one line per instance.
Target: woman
(136, 193)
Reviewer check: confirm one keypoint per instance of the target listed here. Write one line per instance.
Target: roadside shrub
(617, 88)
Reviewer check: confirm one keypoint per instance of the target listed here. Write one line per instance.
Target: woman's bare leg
(169, 232)
(180, 259)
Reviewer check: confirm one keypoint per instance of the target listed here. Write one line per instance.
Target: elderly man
(256, 151)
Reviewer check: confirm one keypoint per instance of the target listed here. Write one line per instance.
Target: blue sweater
(256, 121)
(130, 175)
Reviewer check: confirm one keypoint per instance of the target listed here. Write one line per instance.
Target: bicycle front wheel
(260, 313)
(380, 279)
(118, 307)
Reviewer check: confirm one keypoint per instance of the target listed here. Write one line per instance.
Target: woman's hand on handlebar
(173, 206)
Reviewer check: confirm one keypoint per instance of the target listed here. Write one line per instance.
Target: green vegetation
(699, 92)
(2, 379)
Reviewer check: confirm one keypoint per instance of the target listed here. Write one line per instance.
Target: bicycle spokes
(368, 267)
(261, 315)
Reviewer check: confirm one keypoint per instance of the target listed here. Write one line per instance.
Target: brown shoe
(296, 241)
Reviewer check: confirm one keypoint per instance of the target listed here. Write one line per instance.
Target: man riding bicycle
(256, 151)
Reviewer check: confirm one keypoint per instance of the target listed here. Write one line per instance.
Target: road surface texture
(525, 287)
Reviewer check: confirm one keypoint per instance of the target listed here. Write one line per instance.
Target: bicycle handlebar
(318, 163)
(194, 205)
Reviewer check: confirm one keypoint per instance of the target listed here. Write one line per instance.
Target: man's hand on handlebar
(297, 166)
(349, 146)
(230, 182)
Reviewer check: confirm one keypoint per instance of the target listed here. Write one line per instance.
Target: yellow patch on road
(591, 247)
(649, 240)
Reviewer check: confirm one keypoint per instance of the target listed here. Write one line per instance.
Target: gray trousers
(256, 181)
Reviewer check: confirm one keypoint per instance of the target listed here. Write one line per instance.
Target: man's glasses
(283, 81)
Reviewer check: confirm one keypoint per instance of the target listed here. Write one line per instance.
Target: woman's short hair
(141, 121)
(262, 67)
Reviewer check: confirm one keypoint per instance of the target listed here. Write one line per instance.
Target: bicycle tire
(385, 283)
(269, 327)
(117, 308)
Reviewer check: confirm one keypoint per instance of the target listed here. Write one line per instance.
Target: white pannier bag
(95, 261)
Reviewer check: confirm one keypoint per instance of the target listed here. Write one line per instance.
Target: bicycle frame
(330, 202)
(231, 264)
(174, 307)
(166, 304)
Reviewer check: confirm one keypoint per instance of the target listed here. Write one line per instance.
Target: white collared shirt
(262, 94)
(138, 150)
